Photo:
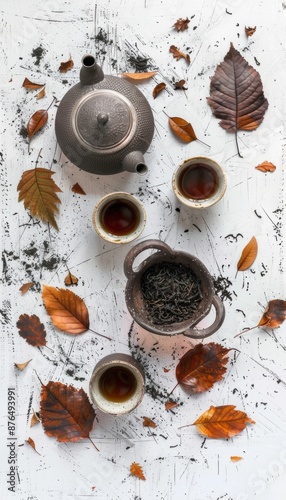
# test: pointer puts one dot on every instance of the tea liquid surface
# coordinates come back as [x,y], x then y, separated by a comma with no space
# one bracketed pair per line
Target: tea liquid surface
[117,384]
[120,217]
[198,181]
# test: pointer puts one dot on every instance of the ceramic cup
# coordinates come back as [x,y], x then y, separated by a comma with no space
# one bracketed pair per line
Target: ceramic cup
[199,182]
[117,384]
[119,217]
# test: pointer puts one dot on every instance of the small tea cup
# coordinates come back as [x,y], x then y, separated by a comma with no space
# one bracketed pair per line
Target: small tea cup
[119,217]
[199,182]
[117,384]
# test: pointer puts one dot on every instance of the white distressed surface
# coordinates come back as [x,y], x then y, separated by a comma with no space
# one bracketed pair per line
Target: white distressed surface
[178,463]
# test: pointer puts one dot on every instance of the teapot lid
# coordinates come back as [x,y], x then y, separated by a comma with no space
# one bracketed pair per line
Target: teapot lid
[104,121]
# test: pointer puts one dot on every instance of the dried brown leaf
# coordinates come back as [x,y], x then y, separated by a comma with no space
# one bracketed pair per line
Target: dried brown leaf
[32,330]
[66,412]
[67,310]
[66,66]
[159,87]
[25,287]
[136,470]
[169,405]
[180,85]
[274,314]
[147,422]
[222,422]
[37,121]
[235,458]
[181,24]
[202,366]
[31,442]
[248,255]
[77,189]
[42,93]
[266,166]
[27,84]
[177,54]
[35,419]
[182,129]
[38,190]
[70,280]
[236,94]
[249,31]
[22,366]
[139,76]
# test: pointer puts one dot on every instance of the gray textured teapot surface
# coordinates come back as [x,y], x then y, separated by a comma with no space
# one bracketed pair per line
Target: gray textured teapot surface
[104,124]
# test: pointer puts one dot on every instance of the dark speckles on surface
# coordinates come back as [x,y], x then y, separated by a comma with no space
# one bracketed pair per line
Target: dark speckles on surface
[38,54]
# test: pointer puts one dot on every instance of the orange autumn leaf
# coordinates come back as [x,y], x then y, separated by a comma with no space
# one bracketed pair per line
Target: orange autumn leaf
[159,87]
[76,188]
[222,422]
[22,366]
[31,442]
[248,255]
[147,422]
[139,76]
[136,470]
[32,330]
[181,24]
[235,458]
[38,191]
[41,94]
[249,31]
[169,405]
[274,314]
[66,412]
[67,310]
[27,84]
[66,66]
[266,166]
[25,287]
[202,366]
[177,54]
[182,129]
[37,121]
[70,279]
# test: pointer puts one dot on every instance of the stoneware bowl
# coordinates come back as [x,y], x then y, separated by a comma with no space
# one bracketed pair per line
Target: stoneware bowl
[135,301]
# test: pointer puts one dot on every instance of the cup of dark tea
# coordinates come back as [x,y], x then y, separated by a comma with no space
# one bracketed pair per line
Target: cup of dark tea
[117,384]
[119,217]
[199,182]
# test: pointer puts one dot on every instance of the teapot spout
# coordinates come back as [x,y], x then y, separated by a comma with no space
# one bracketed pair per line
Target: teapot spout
[90,72]
[134,162]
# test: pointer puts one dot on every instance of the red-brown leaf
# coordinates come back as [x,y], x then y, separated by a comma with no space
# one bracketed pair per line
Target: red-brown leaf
[31,442]
[181,24]
[180,85]
[182,129]
[70,280]
[177,54]
[66,309]
[25,287]
[274,314]
[27,84]
[266,166]
[222,422]
[147,422]
[249,31]
[202,366]
[248,255]
[32,330]
[136,470]
[236,94]
[37,121]
[66,66]
[169,405]
[159,87]
[66,412]
[76,188]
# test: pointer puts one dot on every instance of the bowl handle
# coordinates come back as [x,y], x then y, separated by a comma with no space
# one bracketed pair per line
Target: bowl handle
[140,247]
[195,333]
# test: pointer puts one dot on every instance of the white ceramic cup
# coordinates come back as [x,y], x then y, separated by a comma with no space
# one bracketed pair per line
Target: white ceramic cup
[133,384]
[119,217]
[199,182]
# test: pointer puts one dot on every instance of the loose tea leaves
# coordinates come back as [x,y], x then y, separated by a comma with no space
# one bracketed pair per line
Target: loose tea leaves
[171,293]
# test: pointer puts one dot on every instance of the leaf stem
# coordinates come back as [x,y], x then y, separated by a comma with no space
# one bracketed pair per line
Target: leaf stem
[202,142]
[100,334]
[173,390]
[237,147]
[92,443]
[247,330]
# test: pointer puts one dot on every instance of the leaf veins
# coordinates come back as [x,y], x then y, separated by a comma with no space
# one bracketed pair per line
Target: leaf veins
[248,255]
[32,330]
[222,422]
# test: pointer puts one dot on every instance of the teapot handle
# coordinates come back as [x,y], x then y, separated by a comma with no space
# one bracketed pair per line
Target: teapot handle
[196,333]
[140,247]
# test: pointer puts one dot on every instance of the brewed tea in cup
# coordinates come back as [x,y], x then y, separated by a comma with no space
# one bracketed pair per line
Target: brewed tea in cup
[117,384]
[199,182]
[119,217]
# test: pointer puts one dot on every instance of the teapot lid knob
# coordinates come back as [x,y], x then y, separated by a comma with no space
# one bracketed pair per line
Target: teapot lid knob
[102,118]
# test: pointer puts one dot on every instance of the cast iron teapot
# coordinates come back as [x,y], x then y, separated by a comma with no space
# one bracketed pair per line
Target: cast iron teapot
[104,124]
